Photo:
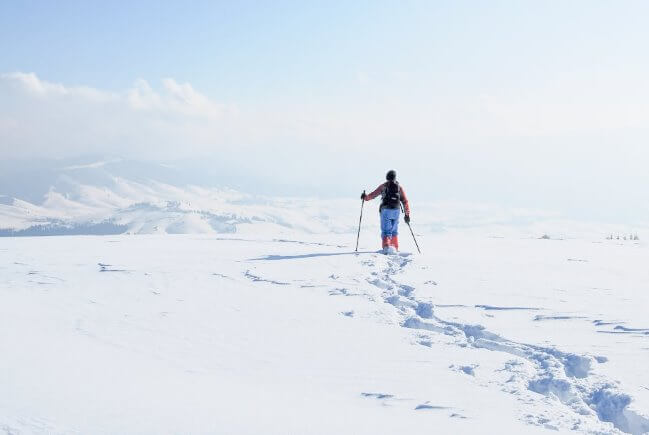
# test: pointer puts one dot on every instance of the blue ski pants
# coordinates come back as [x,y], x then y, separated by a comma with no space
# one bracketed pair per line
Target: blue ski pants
[390,222]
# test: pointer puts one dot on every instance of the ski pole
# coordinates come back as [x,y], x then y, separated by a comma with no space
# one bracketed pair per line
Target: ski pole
[413,234]
[413,237]
[359,221]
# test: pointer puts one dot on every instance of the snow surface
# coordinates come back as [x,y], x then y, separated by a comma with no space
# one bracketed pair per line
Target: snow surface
[253,333]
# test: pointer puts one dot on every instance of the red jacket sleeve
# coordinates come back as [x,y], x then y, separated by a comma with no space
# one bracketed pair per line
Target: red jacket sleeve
[404,200]
[377,192]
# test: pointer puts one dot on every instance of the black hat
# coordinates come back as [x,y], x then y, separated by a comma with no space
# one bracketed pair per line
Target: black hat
[391,175]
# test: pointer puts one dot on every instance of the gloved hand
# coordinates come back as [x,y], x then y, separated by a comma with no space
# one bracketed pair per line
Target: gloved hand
[407,218]
[363,195]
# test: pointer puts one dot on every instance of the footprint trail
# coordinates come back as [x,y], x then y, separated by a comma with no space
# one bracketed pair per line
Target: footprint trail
[550,373]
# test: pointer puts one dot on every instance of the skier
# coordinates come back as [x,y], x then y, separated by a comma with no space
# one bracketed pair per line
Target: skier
[392,194]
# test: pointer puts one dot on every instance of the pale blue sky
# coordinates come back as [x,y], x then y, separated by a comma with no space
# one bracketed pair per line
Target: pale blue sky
[539,103]
[251,50]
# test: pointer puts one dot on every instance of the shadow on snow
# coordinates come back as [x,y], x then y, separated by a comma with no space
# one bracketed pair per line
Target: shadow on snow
[319,254]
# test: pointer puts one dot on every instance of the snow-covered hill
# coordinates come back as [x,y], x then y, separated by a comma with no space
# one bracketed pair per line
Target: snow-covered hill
[261,334]
[91,199]
[108,197]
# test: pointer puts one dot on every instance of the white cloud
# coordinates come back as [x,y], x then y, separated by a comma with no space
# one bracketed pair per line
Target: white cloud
[511,133]
[40,118]
[33,84]
[30,83]
[178,114]
[180,98]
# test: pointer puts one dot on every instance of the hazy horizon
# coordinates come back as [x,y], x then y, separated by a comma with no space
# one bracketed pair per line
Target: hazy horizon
[514,103]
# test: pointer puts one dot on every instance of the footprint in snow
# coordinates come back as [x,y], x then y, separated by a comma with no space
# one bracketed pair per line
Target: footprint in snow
[426,342]
[378,395]
[467,370]
[496,308]
[428,406]
[256,278]
[220,275]
[109,268]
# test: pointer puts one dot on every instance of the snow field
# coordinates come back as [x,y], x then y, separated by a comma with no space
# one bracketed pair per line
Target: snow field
[204,334]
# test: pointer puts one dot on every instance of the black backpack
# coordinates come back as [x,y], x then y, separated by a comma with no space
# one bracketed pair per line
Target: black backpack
[391,195]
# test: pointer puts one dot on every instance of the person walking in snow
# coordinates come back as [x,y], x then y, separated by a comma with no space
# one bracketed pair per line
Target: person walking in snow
[392,195]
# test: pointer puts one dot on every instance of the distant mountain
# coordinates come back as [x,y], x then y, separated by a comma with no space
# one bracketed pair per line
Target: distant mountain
[108,195]
[112,196]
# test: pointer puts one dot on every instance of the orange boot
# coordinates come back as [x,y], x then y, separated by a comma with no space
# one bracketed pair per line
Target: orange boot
[395,242]
[386,242]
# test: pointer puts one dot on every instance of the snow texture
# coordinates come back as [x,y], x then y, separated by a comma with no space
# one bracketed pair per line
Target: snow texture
[212,311]
[260,334]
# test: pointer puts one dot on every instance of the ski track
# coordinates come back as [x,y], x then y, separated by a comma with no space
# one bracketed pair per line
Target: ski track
[537,372]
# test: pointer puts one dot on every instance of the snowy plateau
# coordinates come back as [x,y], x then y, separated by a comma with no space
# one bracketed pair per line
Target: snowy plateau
[160,309]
